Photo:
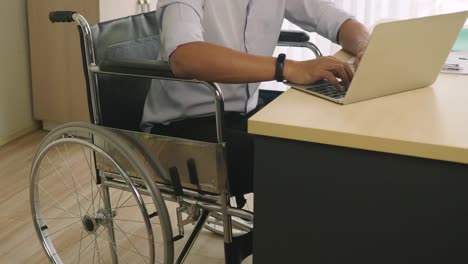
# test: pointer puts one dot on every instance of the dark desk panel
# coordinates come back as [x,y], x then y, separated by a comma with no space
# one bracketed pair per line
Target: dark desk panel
[317,203]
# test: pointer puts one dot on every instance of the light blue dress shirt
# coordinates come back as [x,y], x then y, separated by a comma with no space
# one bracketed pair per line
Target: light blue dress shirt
[251,26]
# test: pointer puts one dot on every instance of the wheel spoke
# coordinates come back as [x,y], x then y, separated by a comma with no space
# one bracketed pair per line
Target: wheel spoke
[74,181]
[120,229]
[94,249]
[120,246]
[59,179]
[81,252]
[126,200]
[93,180]
[56,218]
[113,245]
[55,200]
[79,240]
[79,249]
[97,249]
[126,220]
[92,204]
[56,231]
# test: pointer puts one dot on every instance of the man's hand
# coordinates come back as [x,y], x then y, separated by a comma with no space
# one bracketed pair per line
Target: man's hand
[354,37]
[328,68]
[359,57]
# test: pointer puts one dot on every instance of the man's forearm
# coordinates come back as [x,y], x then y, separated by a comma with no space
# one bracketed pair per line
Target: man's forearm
[209,62]
[353,36]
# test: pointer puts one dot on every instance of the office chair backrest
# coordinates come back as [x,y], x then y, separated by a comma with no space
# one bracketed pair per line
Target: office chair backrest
[122,98]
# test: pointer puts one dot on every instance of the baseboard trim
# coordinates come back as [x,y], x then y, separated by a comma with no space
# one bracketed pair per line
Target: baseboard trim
[19,133]
[50,125]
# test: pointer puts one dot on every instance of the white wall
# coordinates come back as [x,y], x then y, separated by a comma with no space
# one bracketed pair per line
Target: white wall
[15,83]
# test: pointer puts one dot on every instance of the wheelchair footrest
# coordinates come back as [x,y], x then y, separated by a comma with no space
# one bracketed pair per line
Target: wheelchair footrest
[153,214]
[176,184]
[178,237]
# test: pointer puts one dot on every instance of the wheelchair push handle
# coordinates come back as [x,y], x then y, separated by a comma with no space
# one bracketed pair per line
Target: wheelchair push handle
[61,16]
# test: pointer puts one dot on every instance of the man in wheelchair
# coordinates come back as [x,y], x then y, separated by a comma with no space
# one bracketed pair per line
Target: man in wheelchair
[117,183]
[232,42]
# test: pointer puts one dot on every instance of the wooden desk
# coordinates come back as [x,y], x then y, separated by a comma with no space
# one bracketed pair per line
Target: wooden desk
[380,181]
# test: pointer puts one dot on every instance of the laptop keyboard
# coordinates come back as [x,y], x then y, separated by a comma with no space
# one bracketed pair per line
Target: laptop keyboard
[327,89]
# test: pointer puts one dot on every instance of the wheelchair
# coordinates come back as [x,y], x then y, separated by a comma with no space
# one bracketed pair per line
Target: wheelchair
[98,191]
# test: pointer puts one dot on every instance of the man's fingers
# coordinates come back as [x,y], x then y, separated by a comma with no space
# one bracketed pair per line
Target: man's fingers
[356,63]
[358,59]
[331,69]
[349,71]
[327,75]
[343,74]
[341,71]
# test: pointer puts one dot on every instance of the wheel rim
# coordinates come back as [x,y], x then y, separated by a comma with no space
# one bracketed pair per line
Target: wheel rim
[75,225]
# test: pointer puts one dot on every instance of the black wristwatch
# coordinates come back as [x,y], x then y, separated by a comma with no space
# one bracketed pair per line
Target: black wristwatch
[280,67]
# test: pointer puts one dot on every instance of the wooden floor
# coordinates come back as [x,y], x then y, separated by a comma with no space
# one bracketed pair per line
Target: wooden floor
[18,240]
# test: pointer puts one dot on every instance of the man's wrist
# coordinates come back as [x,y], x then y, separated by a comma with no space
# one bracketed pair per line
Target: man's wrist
[288,65]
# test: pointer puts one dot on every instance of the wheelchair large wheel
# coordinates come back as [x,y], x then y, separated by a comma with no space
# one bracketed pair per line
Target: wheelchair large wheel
[94,200]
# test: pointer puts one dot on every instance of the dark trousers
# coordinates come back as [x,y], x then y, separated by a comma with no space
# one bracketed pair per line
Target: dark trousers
[239,144]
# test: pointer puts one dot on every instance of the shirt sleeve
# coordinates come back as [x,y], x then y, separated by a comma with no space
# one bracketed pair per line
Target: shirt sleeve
[180,22]
[321,16]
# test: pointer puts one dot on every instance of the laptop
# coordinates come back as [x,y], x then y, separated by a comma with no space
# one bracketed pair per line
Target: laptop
[401,56]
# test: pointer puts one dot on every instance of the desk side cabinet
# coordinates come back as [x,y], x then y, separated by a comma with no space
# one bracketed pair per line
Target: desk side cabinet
[58,83]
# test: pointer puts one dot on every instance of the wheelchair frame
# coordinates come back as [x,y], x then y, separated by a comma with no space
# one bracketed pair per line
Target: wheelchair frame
[197,204]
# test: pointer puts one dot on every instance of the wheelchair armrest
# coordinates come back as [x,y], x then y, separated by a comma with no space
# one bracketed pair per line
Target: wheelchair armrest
[155,69]
[137,67]
[293,36]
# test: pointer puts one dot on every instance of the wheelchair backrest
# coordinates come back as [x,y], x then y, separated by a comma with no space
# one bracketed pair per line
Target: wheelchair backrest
[122,98]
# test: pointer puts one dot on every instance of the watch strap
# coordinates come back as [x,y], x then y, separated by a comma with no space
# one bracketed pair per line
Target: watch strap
[280,67]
